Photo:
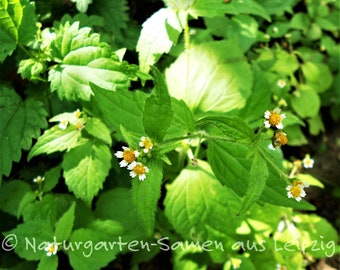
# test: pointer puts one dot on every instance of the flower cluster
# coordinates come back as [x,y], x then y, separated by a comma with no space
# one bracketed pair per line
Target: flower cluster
[296,190]
[273,119]
[71,118]
[51,249]
[129,158]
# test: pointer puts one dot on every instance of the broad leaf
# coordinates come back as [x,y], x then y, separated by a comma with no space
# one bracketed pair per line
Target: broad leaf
[318,76]
[86,258]
[84,60]
[197,204]
[157,113]
[306,102]
[85,169]
[17,25]
[56,139]
[212,76]
[226,128]
[50,263]
[20,123]
[156,39]
[120,108]
[212,8]
[275,6]
[96,128]
[64,225]
[31,238]
[145,194]
[230,166]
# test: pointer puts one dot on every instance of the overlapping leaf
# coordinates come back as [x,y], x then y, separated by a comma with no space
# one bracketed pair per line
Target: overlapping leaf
[84,60]
[20,123]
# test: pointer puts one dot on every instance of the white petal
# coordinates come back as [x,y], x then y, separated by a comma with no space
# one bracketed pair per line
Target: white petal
[298,199]
[142,177]
[119,154]
[126,148]
[141,144]
[267,114]
[123,163]
[289,187]
[132,165]
[267,124]
[277,110]
[283,116]
[145,150]
[279,126]
[133,174]
[136,153]
[146,169]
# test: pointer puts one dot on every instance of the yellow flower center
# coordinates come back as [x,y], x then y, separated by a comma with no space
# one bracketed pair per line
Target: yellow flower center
[77,114]
[274,119]
[129,156]
[51,249]
[79,126]
[139,169]
[295,191]
[147,143]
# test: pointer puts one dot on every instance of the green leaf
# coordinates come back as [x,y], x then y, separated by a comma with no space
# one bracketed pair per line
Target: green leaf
[230,166]
[157,113]
[182,121]
[212,8]
[197,204]
[275,6]
[20,123]
[31,238]
[50,263]
[51,178]
[31,69]
[96,128]
[64,225]
[145,194]
[228,128]
[120,108]
[85,169]
[306,102]
[115,14]
[154,39]
[11,194]
[44,209]
[122,210]
[207,78]
[82,5]
[87,256]
[84,60]
[258,176]
[318,76]
[56,139]
[300,21]
[17,25]
[296,136]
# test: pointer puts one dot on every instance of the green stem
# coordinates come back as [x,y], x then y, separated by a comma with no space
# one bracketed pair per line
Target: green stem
[186,35]
[27,52]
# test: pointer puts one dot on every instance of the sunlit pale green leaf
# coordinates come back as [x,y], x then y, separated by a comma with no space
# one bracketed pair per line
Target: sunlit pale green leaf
[20,123]
[85,169]
[306,102]
[318,76]
[155,39]
[84,60]
[96,128]
[197,204]
[82,5]
[212,76]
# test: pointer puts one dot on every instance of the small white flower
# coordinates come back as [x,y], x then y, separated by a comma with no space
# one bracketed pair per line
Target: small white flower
[39,179]
[146,143]
[51,249]
[280,267]
[128,155]
[138,169]
[296,192]
[281,83]
[308,162]
[80,126]
[77,113]
[274,118]
[63,124]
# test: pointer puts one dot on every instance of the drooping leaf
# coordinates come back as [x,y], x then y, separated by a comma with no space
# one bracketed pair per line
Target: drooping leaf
[197,204]
[120,108]
[157,113]
[64,225]
[212,76]
[17,25]
[258,176]
[85,169]
[155,39]
[20,123]
[145,194]
[84,60]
